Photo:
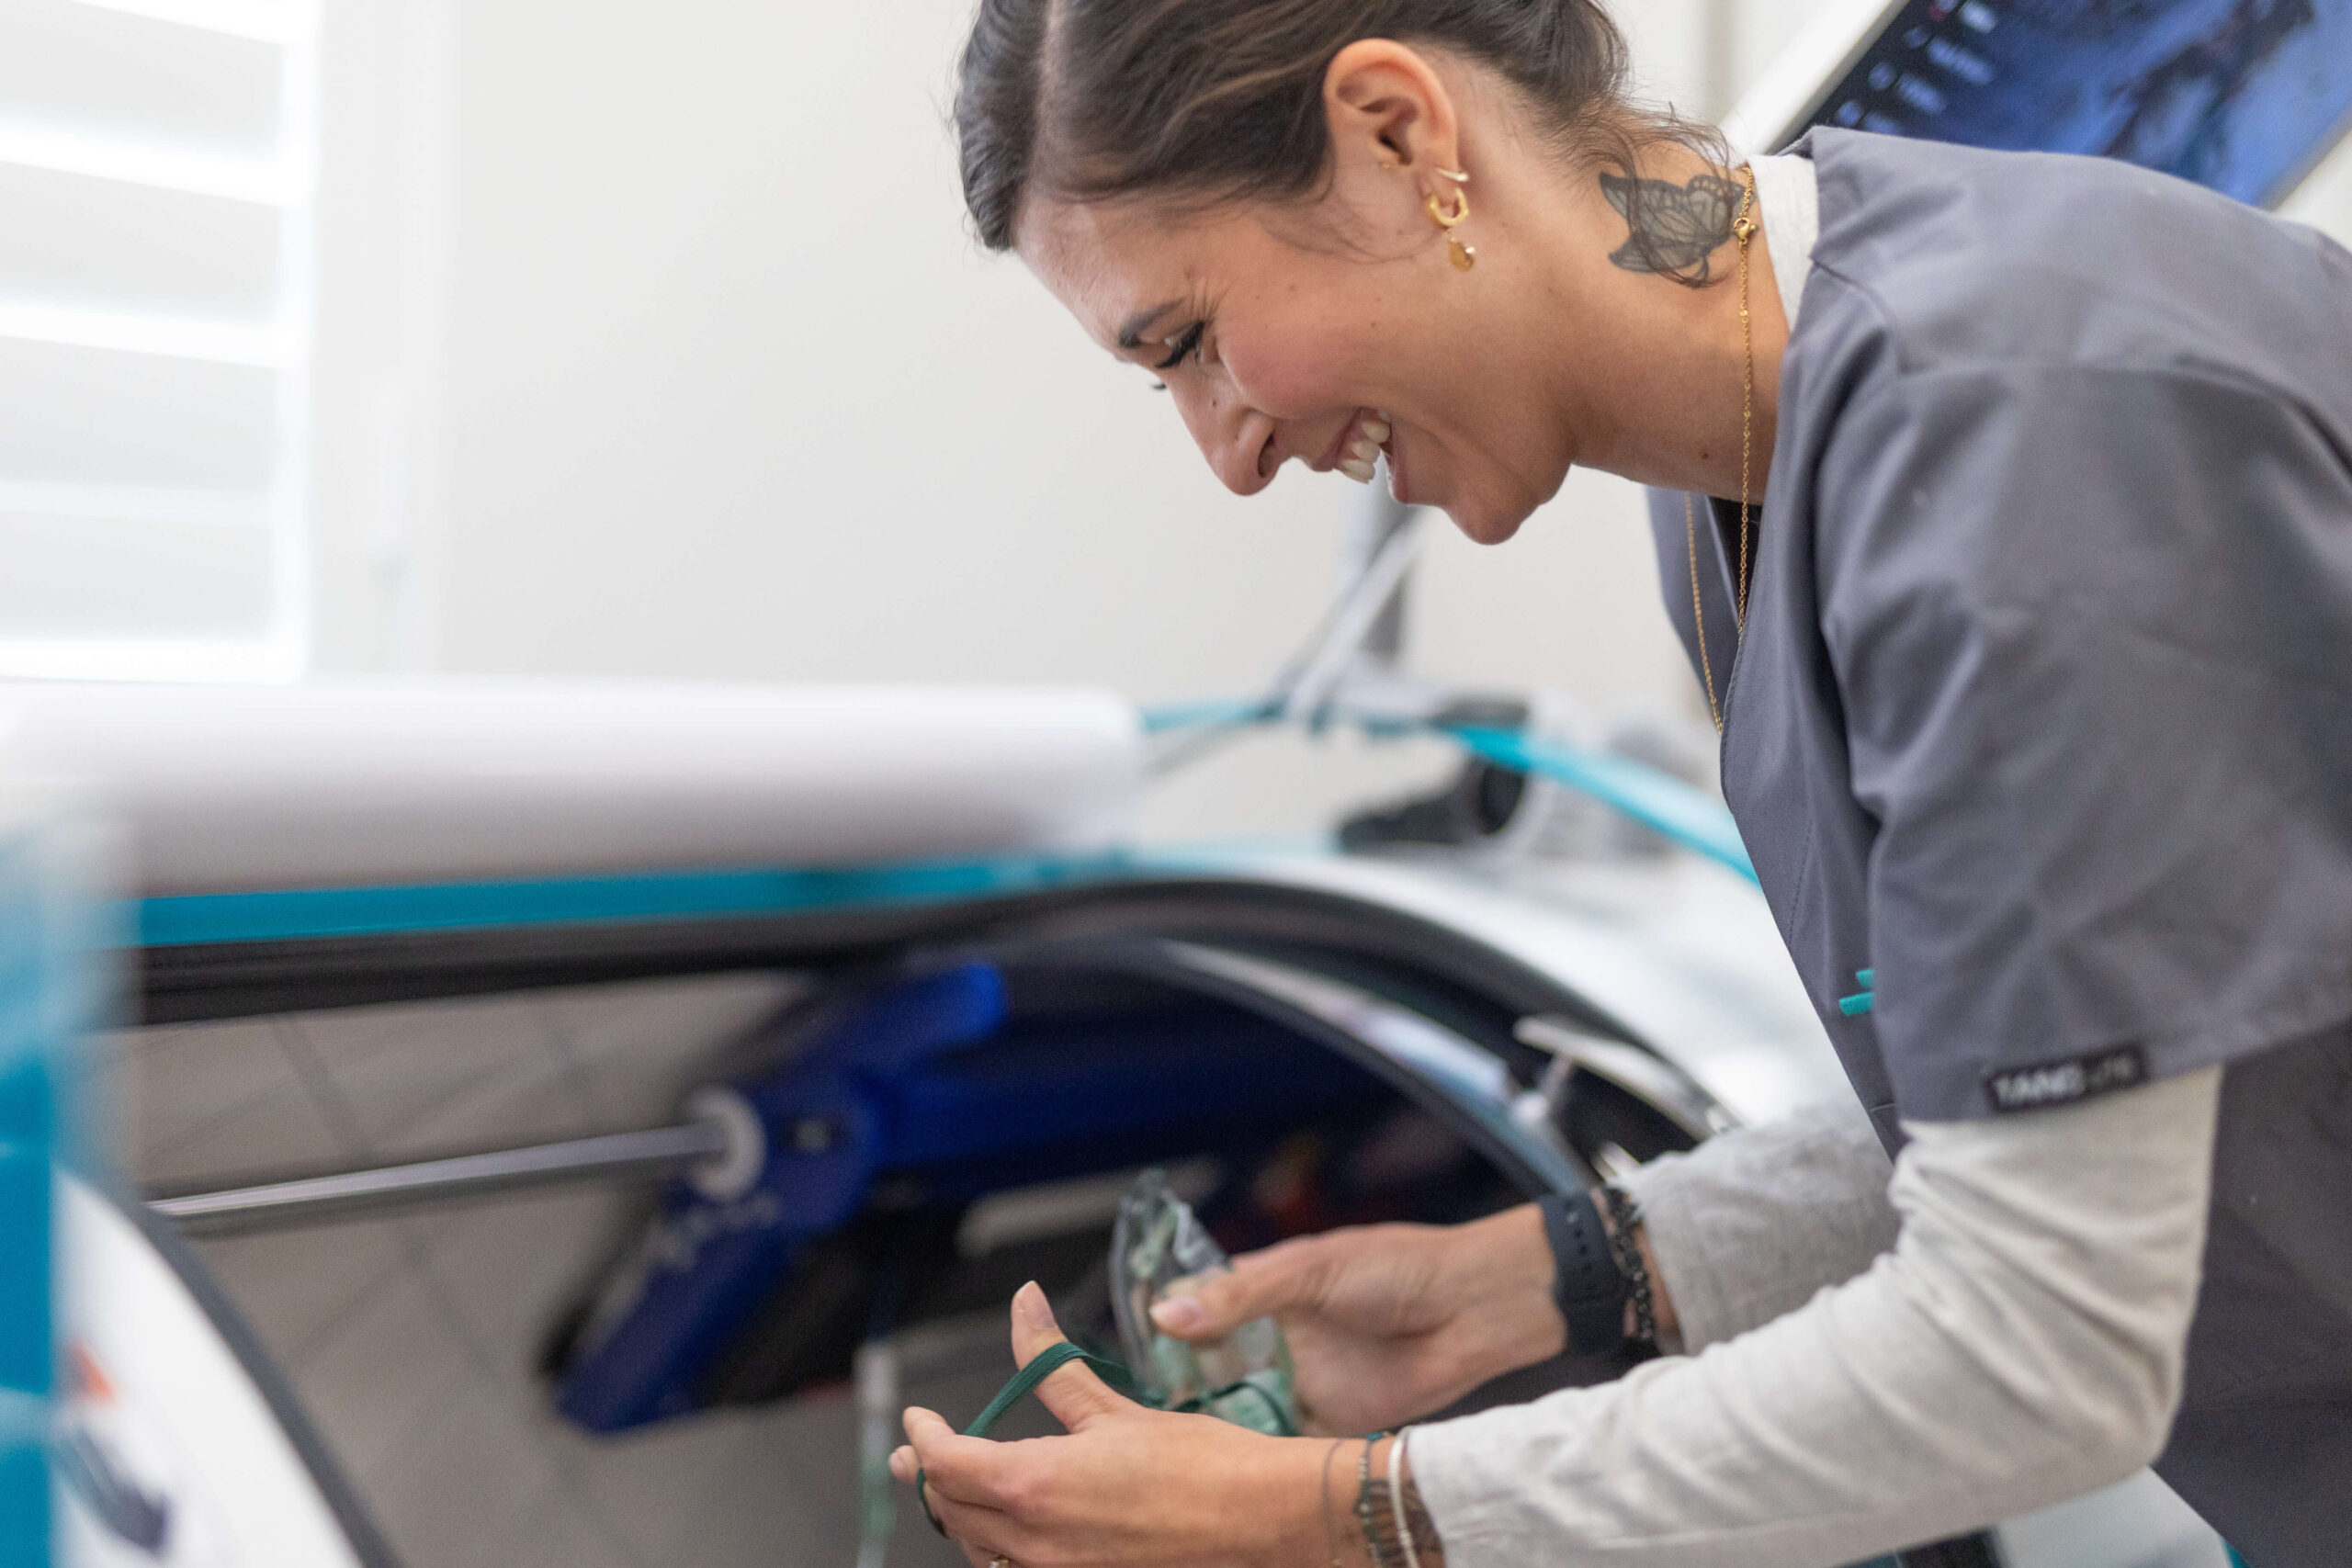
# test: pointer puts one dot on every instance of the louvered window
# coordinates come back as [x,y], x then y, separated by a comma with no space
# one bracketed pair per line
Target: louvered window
[156,163]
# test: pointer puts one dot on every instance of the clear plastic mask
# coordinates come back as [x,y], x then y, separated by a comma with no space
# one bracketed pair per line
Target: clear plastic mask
[1157,1247]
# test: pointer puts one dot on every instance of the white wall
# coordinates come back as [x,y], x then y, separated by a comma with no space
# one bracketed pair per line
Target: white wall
[725,389]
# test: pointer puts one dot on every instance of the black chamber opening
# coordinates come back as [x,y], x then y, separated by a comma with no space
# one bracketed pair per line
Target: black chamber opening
[1279,1135]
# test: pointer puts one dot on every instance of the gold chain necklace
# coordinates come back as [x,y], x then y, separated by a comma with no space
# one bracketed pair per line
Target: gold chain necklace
[1743,230]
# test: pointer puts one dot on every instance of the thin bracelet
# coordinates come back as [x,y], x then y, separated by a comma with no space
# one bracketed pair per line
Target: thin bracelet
[1396,1499]
[1363,1503]
[1323,1501]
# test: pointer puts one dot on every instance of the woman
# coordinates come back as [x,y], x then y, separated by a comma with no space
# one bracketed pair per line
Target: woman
[2006,507]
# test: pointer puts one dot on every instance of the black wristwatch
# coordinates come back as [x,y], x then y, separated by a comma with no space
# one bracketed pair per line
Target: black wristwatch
[1586,1282]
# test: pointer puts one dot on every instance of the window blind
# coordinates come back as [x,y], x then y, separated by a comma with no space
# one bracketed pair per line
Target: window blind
[157,160]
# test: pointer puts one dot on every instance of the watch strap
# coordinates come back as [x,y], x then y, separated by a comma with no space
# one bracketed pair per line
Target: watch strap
[1588,1287]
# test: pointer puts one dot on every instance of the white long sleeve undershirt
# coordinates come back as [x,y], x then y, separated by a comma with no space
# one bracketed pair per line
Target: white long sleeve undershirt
[2020,1344]
[1747,1227]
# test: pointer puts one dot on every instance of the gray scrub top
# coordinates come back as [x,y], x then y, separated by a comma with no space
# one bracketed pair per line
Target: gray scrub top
[2040,730]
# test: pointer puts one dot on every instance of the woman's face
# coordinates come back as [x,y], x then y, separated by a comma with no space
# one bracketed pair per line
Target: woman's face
[1286,333]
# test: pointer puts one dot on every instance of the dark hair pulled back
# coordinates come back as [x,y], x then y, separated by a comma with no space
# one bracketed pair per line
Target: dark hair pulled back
[1223,99]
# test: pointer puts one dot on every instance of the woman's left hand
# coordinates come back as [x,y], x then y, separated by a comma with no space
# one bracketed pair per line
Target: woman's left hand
[1129,1485]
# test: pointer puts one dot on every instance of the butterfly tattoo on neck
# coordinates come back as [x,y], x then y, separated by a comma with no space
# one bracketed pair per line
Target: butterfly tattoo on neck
[1672,228]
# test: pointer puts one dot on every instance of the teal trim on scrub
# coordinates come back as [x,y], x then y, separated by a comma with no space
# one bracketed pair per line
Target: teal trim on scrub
[1864,999]
[302,913]
[2235,1560]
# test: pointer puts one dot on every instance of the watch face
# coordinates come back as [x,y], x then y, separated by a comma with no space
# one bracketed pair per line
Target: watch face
[2244,96]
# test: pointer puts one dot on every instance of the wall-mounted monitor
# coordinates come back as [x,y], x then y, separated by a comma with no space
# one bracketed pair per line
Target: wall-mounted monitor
[2242,95]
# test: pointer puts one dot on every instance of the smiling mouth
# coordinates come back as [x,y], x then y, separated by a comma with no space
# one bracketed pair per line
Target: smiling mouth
[1359,445]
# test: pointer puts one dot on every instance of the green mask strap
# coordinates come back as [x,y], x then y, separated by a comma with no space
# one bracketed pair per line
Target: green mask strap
[1043,1365]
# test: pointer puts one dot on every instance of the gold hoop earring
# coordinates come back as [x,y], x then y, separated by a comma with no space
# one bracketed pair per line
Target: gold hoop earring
[1463,257]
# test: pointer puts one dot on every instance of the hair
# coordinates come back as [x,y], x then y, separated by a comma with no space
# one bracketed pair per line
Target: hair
[1212,100]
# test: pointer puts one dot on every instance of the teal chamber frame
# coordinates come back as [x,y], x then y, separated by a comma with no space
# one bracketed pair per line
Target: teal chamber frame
[299,914]
[27,1124]
[52,982]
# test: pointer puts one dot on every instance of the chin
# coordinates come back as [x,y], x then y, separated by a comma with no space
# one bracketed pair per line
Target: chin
[1485,520]
[1488,502]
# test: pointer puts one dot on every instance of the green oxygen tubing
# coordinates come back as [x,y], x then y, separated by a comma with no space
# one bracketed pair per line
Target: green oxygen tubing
[1051,1359]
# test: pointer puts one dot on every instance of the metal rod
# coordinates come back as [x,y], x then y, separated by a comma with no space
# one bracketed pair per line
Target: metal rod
[1353,619]
[1652,1080]
[1373,513]
[316,1196]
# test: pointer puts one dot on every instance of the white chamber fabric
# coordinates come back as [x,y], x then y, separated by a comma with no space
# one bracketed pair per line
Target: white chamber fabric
[233,788]
[2022,1343]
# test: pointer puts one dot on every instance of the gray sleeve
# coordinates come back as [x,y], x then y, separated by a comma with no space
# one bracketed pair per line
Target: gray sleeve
[2089,627]
[1749,1224]
[2023,1343]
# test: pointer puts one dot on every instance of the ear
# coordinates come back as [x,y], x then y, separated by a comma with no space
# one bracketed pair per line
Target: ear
[1388,110]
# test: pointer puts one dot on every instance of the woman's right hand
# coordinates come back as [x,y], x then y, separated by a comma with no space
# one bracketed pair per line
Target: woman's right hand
[1388,1322]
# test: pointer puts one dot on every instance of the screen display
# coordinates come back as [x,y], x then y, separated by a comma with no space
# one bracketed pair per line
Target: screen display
[2242,95]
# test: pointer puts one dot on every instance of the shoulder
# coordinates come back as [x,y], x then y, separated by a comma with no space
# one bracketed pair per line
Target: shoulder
[1937,258]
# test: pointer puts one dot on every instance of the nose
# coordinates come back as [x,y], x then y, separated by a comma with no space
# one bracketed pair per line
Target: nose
[1231,434]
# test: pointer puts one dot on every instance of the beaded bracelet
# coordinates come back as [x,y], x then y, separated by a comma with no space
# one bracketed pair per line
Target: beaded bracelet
[1624,1218]
[1363,1503]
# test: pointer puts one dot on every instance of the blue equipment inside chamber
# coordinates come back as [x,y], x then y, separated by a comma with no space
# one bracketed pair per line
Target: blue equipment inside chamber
[896,1108]
[2242,95]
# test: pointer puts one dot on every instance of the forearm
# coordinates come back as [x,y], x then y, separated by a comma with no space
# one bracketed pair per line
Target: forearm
[2022,1343]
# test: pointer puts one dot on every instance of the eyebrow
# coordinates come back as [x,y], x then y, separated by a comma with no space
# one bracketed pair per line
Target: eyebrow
[1131,335]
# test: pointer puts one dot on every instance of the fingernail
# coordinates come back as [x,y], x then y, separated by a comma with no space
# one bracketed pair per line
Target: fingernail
[1035,1309]
[1177,1312]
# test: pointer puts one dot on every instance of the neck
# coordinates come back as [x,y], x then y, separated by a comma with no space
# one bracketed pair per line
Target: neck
[1654,372]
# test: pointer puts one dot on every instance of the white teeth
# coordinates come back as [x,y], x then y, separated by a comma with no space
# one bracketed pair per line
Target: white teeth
[1362,451]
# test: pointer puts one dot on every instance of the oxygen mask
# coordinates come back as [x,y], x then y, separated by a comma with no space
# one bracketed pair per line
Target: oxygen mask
[1159,1247]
